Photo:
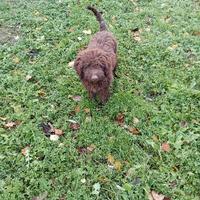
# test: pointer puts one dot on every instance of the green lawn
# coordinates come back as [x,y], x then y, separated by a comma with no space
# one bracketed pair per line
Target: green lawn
[157,91]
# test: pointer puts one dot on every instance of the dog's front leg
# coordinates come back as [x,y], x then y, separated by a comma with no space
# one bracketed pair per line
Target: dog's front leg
[92,95]
[104,95]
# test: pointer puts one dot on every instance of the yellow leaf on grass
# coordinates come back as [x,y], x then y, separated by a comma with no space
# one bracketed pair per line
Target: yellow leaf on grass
[117,165]
[16,60]
[111,159]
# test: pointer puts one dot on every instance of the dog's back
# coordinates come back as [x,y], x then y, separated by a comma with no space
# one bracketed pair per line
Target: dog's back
[102,39]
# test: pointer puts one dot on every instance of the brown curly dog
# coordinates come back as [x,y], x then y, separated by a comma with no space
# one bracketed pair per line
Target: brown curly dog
[97,63]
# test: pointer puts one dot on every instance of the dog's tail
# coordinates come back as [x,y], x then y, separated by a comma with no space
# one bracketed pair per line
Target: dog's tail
[99,18]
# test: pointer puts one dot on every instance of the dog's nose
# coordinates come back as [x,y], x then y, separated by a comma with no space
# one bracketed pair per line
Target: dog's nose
[94,78]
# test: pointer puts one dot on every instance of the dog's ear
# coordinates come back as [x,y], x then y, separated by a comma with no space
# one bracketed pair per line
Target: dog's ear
[78,65]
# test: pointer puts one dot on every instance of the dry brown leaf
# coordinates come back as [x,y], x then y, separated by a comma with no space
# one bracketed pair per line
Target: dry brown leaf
[77,109]
[120,118]
[165,147]
[84,150]
[11,124]
[155,196]
[74,126]
[58,131]
[25,150]
[76,98]
[133,130]
[41,93]
[196,33]
[91,148]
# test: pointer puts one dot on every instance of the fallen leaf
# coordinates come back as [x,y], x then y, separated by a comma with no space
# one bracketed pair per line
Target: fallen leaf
[42,196]
[84,150]
[165,147]
[3,118]
[74,126]
[136,120]
[16,60]
[25,150]
[77,109]
[134,131]
[87,110]
[87,32]
[183,124]
[91,148]
[71,64]
[28,77]
[136,34]
[58,131]
[54,137]
[117,165]
[110,159]
[196,33]
[155,196]
[47,128]
[120,118]
[11,124]
[76,98]
[41,93]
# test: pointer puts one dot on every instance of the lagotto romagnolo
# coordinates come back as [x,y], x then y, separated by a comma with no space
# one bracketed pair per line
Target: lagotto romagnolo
[97,63]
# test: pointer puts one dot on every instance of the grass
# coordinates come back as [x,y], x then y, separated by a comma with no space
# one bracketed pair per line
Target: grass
[159,83]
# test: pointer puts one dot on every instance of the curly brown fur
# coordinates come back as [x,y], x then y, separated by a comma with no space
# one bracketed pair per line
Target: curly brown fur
[96,64]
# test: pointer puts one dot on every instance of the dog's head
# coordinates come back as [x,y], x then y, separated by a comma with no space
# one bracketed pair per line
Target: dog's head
[92,67]
[94,73]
